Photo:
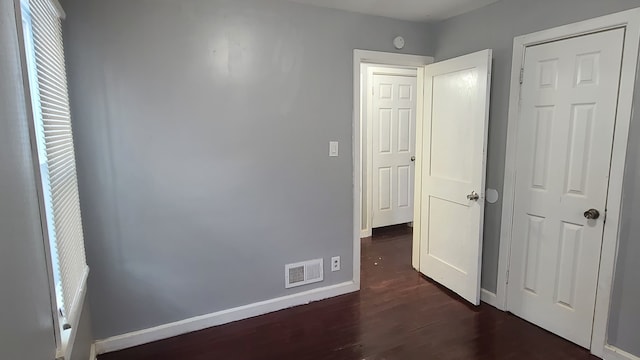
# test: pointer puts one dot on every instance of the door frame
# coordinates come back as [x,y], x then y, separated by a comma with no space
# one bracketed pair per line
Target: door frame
[361,57]
[630,21]
[370,70]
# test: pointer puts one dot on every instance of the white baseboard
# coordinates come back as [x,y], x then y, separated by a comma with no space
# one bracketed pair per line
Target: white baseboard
[489,298]
[365,233]
[613,353]
[221,317]
[92,352]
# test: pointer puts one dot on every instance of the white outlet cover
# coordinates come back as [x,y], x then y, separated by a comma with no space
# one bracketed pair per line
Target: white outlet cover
[335,263]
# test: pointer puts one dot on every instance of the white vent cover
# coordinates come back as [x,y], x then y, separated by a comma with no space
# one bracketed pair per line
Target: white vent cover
[303,273]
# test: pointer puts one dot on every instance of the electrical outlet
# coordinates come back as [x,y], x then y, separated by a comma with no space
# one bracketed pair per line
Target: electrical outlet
[335,263]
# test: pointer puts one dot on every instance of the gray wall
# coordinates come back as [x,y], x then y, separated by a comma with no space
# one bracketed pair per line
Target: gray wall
[494,27]
[624,319]
[202,129]
[26,329]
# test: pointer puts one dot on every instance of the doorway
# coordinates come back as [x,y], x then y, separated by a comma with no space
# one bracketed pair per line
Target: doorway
[450,162]
[361,60]
[389,122]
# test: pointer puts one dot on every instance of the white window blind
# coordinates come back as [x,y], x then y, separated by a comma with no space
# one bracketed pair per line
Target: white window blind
[51,111]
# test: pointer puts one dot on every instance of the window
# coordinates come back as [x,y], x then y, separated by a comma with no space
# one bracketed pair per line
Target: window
[62,223]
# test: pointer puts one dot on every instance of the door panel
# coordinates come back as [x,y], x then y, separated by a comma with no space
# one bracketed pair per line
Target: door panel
[565,137]
[394,117]
[453,161]
[453,100]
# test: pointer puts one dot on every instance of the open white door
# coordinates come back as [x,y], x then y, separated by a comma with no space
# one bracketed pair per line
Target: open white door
[450,186]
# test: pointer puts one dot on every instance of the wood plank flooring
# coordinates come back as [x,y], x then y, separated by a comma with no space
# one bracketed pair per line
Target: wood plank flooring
[398,314]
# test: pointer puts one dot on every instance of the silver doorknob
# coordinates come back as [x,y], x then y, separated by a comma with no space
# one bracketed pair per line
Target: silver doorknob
[473,196]
[413,158]
[592,214]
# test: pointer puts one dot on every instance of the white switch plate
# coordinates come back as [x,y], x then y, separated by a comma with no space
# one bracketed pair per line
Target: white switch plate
[333,148]
[335,263]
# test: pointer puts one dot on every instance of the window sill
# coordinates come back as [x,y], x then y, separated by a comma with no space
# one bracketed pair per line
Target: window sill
[68,337]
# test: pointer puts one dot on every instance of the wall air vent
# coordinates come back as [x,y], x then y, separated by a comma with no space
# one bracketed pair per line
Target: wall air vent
[303,273]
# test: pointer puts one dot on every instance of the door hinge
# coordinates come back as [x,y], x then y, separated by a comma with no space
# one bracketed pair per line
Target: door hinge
[521,75]
[507,277]
[604,218]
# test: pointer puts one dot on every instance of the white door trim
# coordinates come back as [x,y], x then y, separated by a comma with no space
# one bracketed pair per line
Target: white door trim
[630,20]
[381,58]
[367,110]
[613,353]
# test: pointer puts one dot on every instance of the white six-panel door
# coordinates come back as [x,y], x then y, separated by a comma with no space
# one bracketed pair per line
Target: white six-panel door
[393,140]
[453,163]
[565,133]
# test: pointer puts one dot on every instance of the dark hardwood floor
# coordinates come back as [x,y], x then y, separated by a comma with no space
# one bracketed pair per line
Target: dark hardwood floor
[398,314]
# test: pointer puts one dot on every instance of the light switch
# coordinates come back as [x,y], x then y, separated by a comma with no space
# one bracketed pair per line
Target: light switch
[333,148]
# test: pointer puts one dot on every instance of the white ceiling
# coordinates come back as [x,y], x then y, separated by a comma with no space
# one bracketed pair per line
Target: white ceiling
[412,10]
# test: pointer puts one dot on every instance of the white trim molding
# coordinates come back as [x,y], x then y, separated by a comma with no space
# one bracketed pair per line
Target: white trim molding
[379,58]
[68,337]
[92,352]
[220,317]
[490,298]
[630,21]
[613,353]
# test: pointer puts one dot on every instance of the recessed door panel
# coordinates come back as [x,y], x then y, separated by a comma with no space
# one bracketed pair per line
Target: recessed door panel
[535,234]
[580,135]
[405,131]
[542,137]
[453,100]
[448,243]
[405,181]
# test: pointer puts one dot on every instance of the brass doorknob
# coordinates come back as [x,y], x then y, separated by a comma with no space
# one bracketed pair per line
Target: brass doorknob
[592,214]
